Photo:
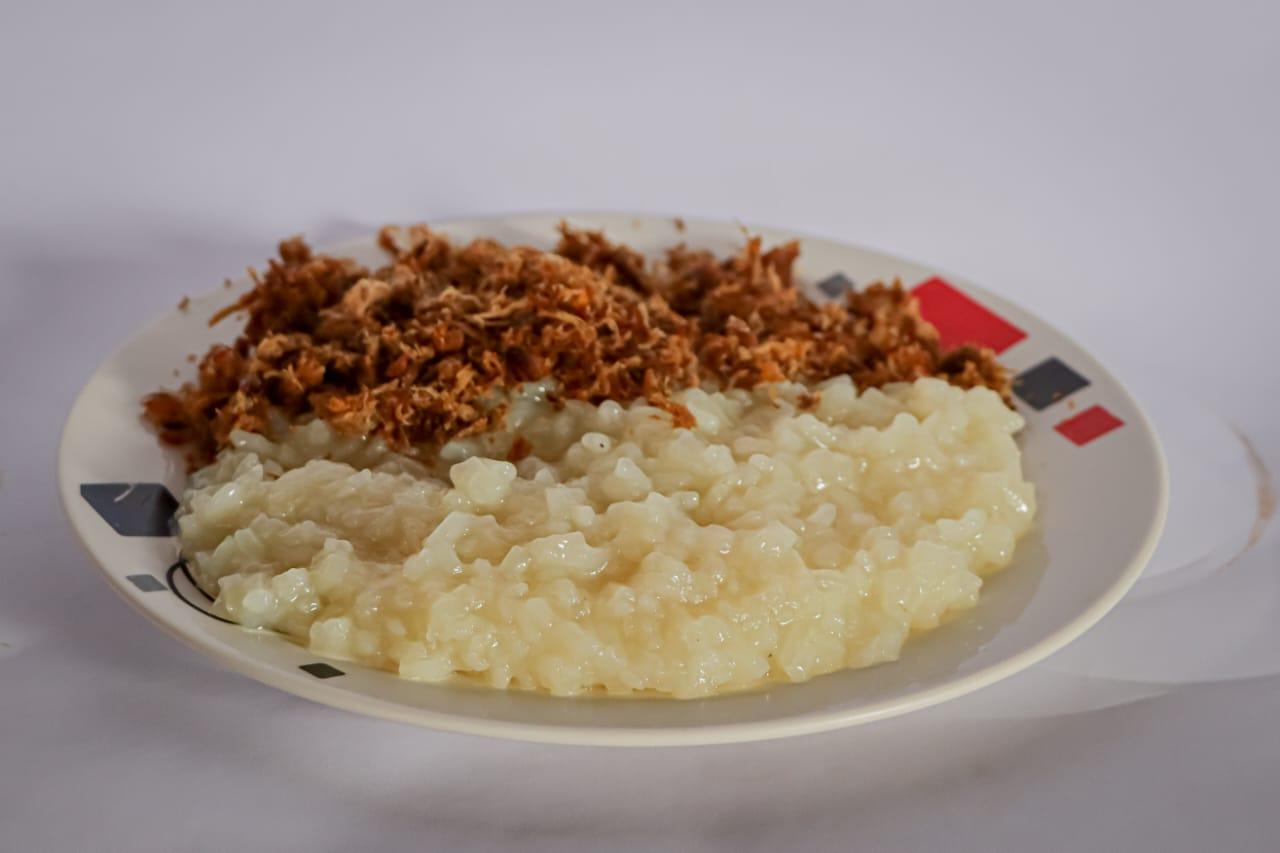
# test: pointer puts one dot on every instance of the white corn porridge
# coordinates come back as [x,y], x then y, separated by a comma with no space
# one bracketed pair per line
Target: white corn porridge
[623,555]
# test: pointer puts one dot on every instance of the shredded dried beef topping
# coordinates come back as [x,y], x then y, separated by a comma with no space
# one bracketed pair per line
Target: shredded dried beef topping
[422,350]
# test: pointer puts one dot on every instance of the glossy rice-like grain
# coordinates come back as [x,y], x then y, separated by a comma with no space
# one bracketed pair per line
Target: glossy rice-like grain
[766,543]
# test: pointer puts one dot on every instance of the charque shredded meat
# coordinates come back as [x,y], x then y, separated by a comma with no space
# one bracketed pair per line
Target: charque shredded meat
[421,351]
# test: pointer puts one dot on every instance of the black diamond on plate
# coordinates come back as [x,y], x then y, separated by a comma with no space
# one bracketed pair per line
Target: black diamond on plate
[132,509]
[835,286]
[321,670]
[146,583]
[1048,382]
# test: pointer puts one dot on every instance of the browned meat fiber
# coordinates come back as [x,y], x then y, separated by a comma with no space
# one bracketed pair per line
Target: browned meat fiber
[420,351]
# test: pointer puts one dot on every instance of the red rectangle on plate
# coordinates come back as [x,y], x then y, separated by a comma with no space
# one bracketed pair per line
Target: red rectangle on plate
[1093,422]
[959,320]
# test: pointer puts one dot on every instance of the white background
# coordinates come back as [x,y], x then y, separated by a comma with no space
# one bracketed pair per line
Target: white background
[1110,166]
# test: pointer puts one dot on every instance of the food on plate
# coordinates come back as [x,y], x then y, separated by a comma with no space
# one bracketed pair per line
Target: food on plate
[587,471]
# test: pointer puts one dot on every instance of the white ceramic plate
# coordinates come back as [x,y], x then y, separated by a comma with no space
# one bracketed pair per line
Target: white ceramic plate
[1088,448]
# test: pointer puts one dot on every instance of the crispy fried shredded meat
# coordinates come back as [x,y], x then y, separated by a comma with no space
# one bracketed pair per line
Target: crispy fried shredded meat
[424,349]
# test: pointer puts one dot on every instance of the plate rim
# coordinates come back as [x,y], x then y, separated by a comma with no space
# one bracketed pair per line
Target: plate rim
[808,723]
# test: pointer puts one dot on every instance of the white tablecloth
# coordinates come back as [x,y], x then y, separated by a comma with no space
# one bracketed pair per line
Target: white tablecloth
[1110,166]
